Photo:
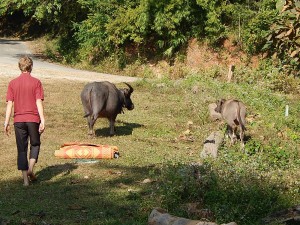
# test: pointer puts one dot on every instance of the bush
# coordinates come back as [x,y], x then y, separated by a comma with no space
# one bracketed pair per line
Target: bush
[283,39]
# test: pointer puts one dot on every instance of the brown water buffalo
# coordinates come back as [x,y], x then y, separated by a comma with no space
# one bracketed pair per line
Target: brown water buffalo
[103,99]
[234,114]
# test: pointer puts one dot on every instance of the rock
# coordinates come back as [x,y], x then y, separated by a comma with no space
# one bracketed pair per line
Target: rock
[161,217]
[212,144]
[212,112]
[147,181]
[4,222]
[195,89]
[287,216]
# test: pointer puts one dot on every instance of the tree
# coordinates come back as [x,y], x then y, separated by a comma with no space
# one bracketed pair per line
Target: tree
[283,41]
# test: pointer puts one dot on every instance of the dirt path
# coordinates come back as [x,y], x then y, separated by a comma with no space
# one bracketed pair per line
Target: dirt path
[12,50]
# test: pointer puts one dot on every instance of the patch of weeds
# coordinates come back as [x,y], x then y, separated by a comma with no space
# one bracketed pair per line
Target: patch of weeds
[215,72]
[138,69]
[51,54]
[243,75]
[283,83]
[253,147]
[233,194]
[293,135]
[293,123]
[133,195]
[178,185]
[177,71]
[109,65]
[277,156]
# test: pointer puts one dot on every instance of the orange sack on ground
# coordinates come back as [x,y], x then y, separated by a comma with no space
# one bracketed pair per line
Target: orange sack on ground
[86,151]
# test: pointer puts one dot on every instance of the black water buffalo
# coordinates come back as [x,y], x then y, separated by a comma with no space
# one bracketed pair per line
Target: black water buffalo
[103,99]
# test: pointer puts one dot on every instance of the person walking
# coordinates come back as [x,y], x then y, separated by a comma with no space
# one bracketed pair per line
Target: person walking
[25,96]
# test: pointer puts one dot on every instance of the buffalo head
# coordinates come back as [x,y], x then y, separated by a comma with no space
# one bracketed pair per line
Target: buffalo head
[220,103]
[127,100]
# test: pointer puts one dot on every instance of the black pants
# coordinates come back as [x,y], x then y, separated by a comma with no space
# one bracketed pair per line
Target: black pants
[26,131]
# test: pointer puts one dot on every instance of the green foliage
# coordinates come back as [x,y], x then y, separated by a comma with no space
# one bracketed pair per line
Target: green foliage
[284,83]
[129,24]
[136,28]
[4,6]
[174,23]
[91,34]
[55,16]
[268,76]
[123,32]
[214,26]
[284,38]
[257,29]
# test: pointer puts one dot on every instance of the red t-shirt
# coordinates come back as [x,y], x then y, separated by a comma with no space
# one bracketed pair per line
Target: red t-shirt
[24,91]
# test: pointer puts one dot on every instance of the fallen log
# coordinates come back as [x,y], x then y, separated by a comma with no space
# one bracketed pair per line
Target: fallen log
[161,217]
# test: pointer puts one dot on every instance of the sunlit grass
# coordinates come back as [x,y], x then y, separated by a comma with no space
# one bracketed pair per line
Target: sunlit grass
[152,141]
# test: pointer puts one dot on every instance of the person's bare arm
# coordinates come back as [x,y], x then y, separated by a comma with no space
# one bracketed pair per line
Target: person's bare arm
[40,107]
[9,107]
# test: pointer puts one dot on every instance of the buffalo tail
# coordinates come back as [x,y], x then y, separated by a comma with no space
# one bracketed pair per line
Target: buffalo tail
[239,118]
[89,104]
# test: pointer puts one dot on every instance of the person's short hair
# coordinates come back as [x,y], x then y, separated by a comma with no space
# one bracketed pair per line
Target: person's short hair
[25,64]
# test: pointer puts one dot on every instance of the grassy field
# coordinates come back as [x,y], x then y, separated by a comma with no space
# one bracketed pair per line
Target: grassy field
[159,166]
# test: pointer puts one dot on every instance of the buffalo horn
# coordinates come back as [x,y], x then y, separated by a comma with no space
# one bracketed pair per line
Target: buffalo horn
[130,88]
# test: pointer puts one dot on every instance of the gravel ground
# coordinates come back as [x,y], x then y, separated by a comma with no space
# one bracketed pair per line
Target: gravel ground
[11,50]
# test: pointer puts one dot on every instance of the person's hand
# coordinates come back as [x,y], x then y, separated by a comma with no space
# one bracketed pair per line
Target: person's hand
[7,129]
[41,127]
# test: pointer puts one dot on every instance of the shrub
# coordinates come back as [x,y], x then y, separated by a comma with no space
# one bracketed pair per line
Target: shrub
[283,40]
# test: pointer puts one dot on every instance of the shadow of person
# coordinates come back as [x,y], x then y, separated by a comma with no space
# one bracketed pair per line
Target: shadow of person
[51,171]
[123,130]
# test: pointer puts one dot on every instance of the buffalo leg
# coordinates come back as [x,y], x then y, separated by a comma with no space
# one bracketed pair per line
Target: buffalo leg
[230,133]
[234,137]
[112,126]
[96,108]
[91,122]
[242,139]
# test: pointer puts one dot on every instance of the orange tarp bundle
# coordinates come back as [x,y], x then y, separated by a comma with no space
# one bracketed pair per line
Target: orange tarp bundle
[86,151]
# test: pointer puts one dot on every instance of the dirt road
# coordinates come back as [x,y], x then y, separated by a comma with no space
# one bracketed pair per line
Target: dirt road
[12,50]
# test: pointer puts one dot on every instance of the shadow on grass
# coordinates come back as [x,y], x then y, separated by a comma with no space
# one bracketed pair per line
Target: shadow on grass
[117,195]
[52,171]
[114,196]
[245,198]
[124,130]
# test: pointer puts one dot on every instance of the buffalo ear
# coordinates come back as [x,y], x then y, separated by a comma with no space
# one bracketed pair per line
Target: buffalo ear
[219,105]
[126,92]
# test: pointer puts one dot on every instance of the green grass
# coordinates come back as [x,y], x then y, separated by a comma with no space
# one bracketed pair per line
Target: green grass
[241,187]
